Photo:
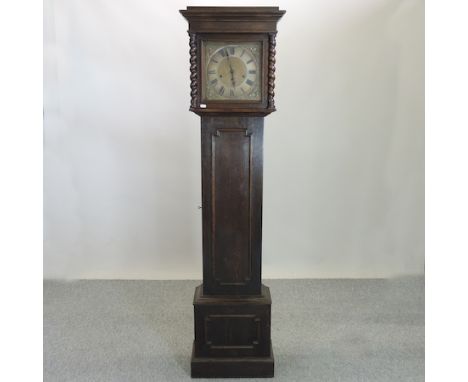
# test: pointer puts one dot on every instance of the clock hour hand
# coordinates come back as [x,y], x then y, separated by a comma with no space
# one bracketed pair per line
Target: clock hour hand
[231,70]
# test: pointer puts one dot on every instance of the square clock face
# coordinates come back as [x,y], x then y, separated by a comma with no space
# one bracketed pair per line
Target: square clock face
[232,71]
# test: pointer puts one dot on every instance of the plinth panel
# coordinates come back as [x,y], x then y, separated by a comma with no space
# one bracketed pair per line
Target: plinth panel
[232,332]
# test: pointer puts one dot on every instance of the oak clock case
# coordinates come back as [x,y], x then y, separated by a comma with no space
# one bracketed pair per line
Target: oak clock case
[232,73]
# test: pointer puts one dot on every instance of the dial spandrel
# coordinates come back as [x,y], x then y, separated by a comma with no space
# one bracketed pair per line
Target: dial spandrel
[232,71]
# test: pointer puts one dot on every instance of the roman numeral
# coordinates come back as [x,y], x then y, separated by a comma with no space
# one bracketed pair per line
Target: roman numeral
[214,60]
[221,90]
[251,60]
[232,50]
[231,93]
[251,71]
[249,82]
[213,72]
[243,51]
[213,82]
[222,52]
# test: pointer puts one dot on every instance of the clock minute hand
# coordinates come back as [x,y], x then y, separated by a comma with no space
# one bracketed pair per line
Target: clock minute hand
[231,70]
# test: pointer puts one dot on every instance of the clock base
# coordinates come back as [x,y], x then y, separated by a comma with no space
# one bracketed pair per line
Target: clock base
[232,335]
[233,367]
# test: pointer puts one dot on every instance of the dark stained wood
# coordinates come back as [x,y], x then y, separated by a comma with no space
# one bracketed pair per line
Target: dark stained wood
[232,19]
[271,70]
[232,178]
[233,367]
[194,98]
[232,326]
[207,299]
[232,308]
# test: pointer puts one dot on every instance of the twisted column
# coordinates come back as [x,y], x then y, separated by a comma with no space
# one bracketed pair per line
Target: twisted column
[271,70]
[193,71]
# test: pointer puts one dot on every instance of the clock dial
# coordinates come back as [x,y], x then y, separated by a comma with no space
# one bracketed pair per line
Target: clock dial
[232,71]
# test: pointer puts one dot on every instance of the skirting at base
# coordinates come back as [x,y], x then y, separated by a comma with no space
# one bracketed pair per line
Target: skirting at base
[238,367]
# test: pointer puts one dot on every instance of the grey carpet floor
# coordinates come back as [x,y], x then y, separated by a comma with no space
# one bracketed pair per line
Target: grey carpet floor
[322,330]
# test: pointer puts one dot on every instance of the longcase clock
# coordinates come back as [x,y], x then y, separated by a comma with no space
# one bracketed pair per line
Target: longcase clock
[232,74]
